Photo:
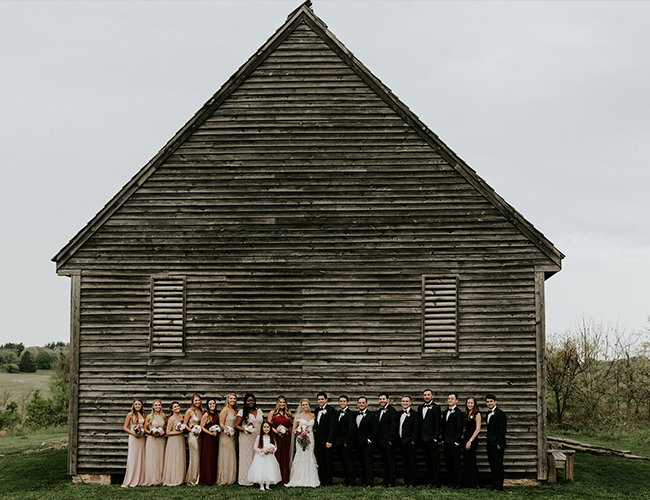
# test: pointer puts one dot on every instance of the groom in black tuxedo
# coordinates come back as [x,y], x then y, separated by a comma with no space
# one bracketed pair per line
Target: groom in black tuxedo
[367,425]
[324,434]
[453,421]
[430,423]
[497,423]
[344,439]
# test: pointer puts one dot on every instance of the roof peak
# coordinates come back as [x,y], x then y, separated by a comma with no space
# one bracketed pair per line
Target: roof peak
[302,6]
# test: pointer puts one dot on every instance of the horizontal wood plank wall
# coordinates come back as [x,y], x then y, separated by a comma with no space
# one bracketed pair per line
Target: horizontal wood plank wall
[303,215]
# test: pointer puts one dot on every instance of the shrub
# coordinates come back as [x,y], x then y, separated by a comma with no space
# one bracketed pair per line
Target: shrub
[50,412]
[11,368]
[9,417]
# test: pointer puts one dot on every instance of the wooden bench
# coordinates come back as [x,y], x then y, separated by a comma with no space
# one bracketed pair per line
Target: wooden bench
[560,460]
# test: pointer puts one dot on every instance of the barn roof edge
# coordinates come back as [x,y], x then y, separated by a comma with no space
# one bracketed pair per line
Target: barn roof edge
[300,14]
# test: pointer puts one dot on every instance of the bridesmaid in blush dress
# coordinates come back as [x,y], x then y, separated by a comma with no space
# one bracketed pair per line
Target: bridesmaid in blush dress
[248,423]
[281,417]
[174,470]
[227,460]
[209,444]
[155,448]
[192,421]
[134,427]
[471,476]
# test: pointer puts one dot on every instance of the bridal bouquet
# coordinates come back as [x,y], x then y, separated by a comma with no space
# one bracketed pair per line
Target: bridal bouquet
[249,428]
[302,436]
[215,428]
[180,426]
[196,430]
[229,430]
[138,430]
[282,430]
[157,431]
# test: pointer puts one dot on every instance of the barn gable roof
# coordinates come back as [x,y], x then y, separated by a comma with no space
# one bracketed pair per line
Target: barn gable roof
[304,14]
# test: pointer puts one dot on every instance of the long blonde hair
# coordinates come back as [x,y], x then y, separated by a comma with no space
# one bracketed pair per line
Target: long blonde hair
[225,404]
[153,412]
[287,411]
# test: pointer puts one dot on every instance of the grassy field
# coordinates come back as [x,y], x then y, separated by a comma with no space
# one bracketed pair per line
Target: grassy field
[18,387]
[43,476]
[24,440]
[638,441]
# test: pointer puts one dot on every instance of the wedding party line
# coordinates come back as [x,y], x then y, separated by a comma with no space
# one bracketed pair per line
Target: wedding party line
[237,445]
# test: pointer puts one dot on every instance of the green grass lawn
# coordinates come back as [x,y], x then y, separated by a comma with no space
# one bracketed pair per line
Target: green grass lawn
[18,386]
[43,476]
[637,441]
[30,440]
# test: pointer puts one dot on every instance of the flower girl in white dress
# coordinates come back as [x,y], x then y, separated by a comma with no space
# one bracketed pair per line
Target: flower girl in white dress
[265,469]
[304,471]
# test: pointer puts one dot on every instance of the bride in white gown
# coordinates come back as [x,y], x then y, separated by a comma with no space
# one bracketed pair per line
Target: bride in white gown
[304,471]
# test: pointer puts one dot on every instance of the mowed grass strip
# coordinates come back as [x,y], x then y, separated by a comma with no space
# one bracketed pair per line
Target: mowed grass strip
[43,476]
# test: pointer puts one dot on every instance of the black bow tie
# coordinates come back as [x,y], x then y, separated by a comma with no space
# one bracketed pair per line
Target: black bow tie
[405,411]
[427,405]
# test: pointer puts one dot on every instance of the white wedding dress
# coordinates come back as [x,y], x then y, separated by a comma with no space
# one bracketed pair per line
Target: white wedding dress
[304,471]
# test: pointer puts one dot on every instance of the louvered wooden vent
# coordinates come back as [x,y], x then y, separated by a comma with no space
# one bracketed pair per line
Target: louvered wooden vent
[440,315]
[167,316]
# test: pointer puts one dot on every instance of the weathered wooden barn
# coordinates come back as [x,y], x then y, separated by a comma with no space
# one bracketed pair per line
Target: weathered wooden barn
[305,231]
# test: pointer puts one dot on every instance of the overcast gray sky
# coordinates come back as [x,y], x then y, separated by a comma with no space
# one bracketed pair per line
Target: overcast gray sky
[548,101]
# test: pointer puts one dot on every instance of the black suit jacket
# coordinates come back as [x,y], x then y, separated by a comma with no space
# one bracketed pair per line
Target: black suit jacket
[325,430]
[431,424]
[345,427]
[387,426]
[496,428]
[410,427]
[452,426]
[367,430]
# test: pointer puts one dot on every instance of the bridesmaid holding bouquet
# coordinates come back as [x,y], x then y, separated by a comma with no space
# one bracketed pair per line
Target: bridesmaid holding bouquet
[210,430]
[134,427]
[281,420]
[248,423]
[192,420]
[227,460]
[174,470]
[154,455]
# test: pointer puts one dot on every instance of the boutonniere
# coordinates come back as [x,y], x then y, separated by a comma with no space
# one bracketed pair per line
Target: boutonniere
[323,411]
[408,414]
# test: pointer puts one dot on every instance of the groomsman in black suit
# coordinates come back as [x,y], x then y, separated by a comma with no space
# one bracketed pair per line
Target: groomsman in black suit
[430,425]
[387,438]
[408,432]
[324,433]
[497,423]
[344,439]
[367,425]
[453,421]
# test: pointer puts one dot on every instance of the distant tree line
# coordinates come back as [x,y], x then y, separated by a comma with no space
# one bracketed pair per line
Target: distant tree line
[14,358]
[38,411]
[598,376]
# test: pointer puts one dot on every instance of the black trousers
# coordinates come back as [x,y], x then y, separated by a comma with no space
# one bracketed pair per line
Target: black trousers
[325,461]
[410,463]
[365,457]
[345,455]
[452,459]
[432,461]
[387,454]
[495,459]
